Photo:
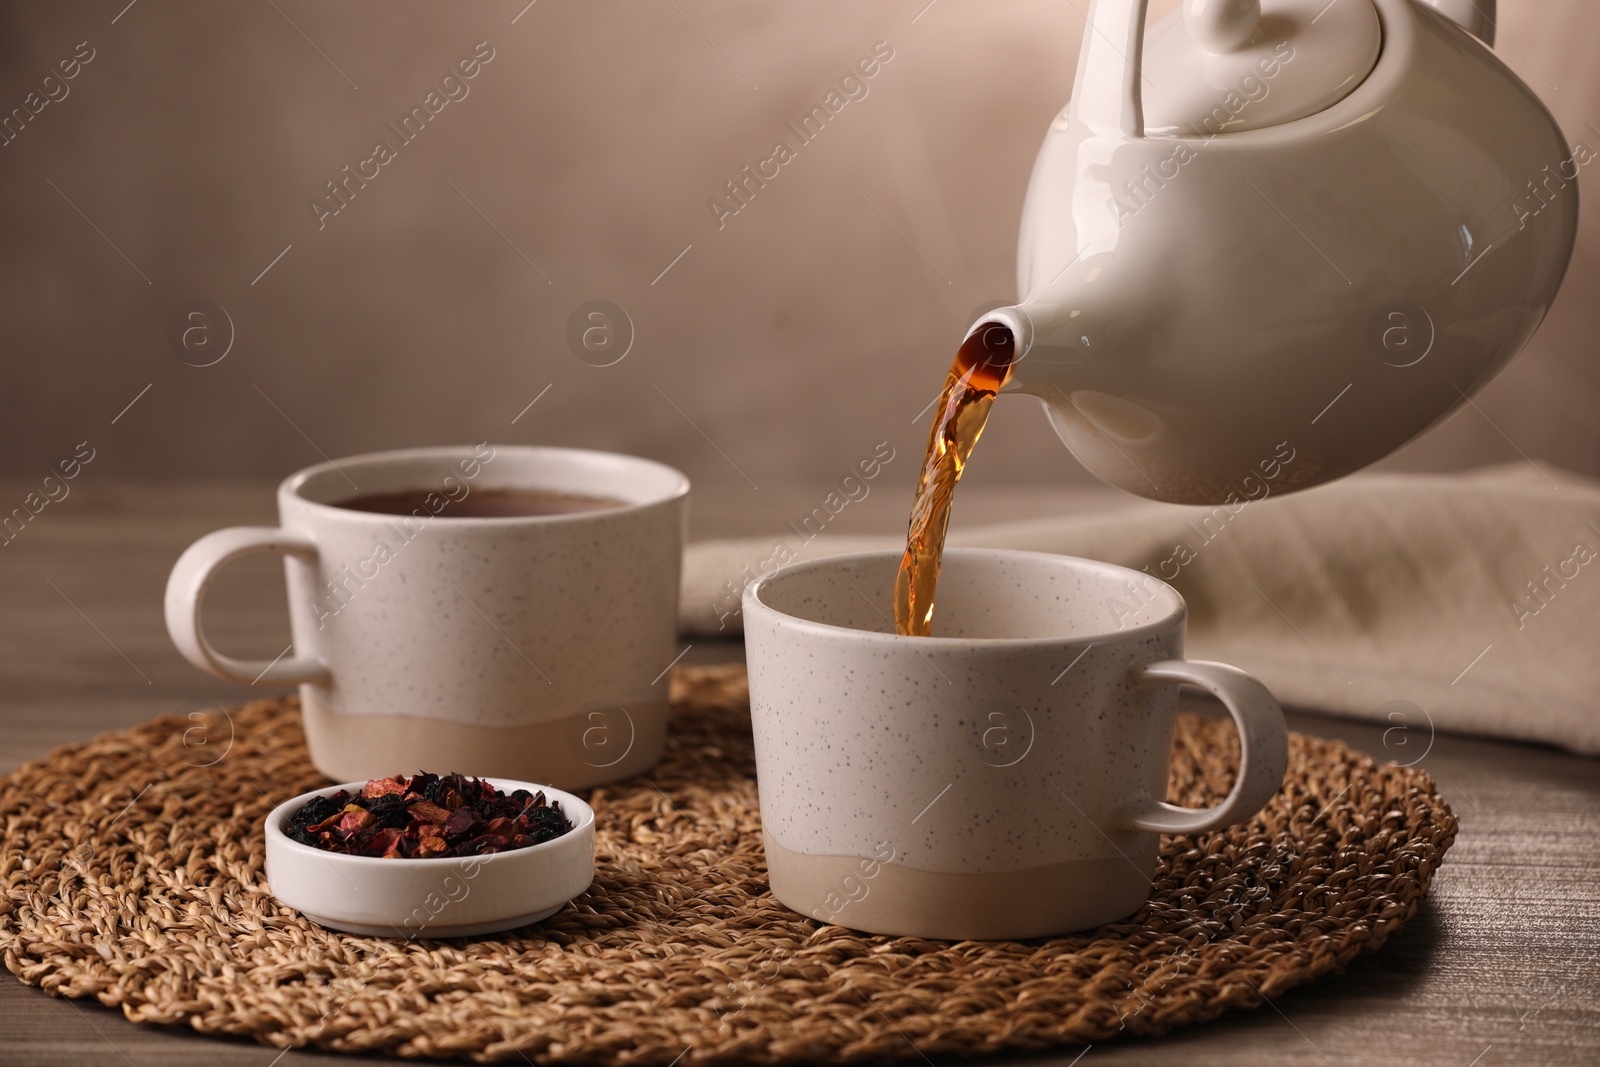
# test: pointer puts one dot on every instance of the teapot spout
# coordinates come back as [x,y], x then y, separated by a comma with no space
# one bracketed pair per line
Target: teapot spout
[1017,337]
[1122,417]
[1050,353]
[1046,353]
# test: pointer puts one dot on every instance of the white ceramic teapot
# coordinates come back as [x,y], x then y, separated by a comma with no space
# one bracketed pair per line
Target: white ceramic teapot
[1295,236]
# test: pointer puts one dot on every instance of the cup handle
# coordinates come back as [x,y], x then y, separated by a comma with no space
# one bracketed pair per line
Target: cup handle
[186,593]
[1264,750]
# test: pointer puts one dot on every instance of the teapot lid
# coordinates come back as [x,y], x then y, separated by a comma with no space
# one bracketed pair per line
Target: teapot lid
[1222,66]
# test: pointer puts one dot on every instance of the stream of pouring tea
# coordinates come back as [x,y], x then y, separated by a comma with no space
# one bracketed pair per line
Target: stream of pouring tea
[981,367]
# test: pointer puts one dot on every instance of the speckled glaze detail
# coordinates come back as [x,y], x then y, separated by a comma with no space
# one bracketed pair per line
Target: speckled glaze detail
[1031,733]
[498,624]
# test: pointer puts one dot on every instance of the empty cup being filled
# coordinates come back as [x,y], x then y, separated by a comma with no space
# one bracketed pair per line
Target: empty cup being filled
[1003,778]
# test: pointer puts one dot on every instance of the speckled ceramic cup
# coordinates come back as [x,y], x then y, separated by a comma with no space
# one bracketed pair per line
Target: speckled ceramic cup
[1002,779]
[532,647]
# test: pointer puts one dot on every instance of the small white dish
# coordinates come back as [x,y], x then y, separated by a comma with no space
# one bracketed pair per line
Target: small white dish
[441,897]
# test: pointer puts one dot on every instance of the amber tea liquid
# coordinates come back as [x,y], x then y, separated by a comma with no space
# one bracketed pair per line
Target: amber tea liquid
[981,367]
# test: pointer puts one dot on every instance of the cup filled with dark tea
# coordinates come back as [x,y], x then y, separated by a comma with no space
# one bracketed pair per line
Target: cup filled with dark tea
[495,610]
[1001,778]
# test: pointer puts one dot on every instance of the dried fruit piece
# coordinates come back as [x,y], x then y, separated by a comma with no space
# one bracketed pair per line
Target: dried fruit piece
[428,811]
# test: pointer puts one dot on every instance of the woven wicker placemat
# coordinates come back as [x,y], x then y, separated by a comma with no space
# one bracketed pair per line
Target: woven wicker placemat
[133,873]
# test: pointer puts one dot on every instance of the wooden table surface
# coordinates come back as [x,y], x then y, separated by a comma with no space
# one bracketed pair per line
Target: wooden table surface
[1500,966]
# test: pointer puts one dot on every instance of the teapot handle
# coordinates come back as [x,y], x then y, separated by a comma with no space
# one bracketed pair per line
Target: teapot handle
[1474,16]
[1106,95]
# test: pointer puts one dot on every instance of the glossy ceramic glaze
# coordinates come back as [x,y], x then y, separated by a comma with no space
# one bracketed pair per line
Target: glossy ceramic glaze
[1331,285]
[458,897]
[909,785]
[529,647]
[1282,59]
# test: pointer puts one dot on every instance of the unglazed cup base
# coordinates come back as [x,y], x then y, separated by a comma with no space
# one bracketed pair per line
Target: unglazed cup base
[1003,905]
[349,747]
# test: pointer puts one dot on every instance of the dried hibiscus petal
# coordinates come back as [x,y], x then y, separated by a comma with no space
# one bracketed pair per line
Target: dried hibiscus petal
[389,840]
[426,815]
[391,810]
[461,821]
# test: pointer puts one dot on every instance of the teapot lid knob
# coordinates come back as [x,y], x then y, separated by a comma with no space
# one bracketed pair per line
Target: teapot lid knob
[1221,26]
[1226,66]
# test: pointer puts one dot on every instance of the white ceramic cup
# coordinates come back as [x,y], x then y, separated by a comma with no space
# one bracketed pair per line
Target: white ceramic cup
[530,647]
[1003,779]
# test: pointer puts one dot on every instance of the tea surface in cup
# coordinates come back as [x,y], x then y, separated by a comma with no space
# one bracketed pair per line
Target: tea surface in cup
[483,503]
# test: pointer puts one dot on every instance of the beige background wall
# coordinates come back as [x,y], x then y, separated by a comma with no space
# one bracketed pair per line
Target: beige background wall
[777,351]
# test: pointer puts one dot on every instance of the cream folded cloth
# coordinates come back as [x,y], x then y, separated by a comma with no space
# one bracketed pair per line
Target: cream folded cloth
[1466,602]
